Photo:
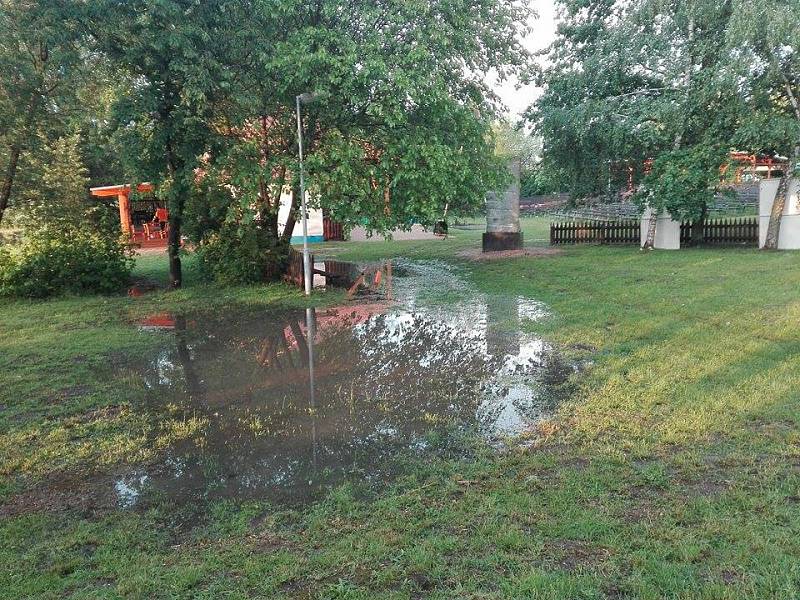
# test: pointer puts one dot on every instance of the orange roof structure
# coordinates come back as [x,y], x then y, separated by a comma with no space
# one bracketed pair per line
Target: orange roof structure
[122,192]
[116,190]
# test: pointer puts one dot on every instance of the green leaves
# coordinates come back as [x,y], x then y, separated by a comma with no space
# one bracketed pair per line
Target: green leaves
[764,56]
[629,82]
[397,130]
[683,182]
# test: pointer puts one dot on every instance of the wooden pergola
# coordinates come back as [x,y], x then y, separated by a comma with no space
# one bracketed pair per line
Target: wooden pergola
[122,192]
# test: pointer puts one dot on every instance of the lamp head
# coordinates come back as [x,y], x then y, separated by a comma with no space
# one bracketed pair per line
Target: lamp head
[306,97]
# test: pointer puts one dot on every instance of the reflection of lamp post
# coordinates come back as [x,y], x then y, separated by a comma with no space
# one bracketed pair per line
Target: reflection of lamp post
[311,333]
[305,99]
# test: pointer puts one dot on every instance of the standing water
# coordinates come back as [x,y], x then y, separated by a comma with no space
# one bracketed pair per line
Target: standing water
[282,405]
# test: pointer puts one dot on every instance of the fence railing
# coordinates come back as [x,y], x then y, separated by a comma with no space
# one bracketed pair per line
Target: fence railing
[724,232]
[332,230]
[741,231]
[595,232]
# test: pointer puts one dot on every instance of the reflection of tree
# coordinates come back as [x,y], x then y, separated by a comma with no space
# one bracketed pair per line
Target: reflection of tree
[379,385]
[502,326]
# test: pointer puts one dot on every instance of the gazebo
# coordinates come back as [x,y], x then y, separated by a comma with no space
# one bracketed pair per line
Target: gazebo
[150,232]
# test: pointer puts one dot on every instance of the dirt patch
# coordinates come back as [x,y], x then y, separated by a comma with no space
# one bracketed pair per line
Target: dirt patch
[643,503]
[731,577]
[85,494]
[478,255]
[296,588]
[636,513]
[574,555]
[614,592]
[269,542]
[144,286]
[69,393]
[705,488]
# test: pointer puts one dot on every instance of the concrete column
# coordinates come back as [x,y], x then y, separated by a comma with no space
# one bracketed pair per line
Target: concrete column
[789,236]
[668,231]
[502,216]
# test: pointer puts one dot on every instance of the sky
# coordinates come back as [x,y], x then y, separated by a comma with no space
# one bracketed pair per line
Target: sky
[540,37]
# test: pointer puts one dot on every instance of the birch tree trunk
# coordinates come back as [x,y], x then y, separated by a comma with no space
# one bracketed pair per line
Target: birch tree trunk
[291,218]
[778,204]
[650,240]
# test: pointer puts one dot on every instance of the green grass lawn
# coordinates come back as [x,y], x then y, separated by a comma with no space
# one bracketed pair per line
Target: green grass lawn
[674,472]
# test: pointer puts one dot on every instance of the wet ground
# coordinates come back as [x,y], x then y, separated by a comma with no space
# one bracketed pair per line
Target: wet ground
[283,405]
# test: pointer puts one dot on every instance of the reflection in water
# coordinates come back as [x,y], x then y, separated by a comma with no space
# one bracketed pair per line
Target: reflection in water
[285,404]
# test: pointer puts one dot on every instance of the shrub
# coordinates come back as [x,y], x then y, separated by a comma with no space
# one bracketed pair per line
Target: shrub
[243,254]
[76,261]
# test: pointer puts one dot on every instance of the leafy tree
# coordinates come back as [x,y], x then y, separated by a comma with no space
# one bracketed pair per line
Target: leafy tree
[40,59]
[56,190]
[540,181]
[398,127]
[513,142]
[684,182]
[632,81]
[764,53]
[173,54]
[70,245]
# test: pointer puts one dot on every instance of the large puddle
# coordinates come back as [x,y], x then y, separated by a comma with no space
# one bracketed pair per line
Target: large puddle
[282,405]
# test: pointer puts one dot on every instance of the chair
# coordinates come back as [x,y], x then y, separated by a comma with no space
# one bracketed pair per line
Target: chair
[154,233]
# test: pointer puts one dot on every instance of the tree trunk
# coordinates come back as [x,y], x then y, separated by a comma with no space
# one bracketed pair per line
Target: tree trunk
[173,249]
[650,240]
[778,204]
[8,179]
[291,219]
[13,158]
[697,227]
[176,205]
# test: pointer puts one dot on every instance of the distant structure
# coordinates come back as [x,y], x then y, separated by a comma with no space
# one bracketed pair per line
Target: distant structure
[502,216]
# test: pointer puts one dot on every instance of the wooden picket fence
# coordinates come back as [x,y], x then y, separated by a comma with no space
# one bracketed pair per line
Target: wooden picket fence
[332,230]
[739,231]
[595,232]
[294,271]
[742,231]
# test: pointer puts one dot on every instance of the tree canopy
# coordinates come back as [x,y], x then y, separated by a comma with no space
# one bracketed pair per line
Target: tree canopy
[199,98]
[397,129]
[628,81]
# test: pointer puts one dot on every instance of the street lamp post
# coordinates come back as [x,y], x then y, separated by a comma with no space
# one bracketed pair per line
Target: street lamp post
[304,209]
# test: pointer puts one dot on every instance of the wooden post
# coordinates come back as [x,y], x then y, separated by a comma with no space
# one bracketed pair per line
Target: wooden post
[124,212]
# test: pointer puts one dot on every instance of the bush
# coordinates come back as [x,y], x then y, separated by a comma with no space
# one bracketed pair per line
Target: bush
[243,254]
[75,261]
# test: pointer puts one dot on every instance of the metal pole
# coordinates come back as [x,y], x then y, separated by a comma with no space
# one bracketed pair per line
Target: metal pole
[304,209]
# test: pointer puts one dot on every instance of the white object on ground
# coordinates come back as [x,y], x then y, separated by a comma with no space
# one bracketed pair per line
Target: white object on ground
[668,231]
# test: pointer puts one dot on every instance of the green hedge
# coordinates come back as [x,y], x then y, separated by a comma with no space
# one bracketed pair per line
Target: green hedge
[242,255]
[55,262]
